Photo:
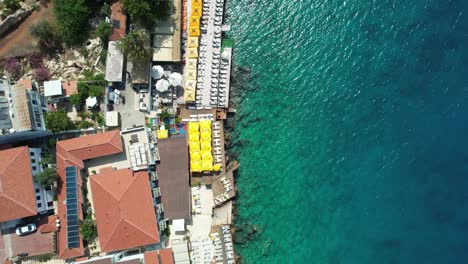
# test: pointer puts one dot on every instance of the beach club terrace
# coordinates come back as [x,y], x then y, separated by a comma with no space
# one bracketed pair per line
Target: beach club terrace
[71,157]
[161,256]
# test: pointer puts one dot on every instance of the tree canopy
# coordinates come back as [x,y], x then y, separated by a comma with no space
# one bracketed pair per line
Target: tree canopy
[72,21]
[88,228]
[147,12]
[47,177]
[104,30]
[136,46]
[58,121]
[46,36]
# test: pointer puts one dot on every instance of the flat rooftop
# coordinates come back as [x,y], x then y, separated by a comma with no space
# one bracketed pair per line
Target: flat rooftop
[174,177]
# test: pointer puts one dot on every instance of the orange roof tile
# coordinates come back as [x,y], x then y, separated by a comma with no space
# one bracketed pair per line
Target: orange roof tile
[70,87]
[151,257]
[117,14]
[17,199]
[166,256]
[124,210]
[48,224]
[72,152]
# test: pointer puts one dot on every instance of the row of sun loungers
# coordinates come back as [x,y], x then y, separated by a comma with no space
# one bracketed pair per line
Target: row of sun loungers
[196,203]
[202,252]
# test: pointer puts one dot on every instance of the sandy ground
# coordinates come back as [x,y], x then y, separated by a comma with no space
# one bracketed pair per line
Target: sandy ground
[19,41]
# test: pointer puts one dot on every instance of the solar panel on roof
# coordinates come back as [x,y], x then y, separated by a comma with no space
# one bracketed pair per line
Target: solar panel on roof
[73,236]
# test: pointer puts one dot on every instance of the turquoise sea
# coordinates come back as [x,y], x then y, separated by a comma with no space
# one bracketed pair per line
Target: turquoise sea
[352,130]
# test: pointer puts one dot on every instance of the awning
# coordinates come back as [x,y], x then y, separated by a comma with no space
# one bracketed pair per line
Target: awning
[194,145]
[195,156]
[192,53]
[206,146]
[207,165]
[192,42]
[194,31]
[194,137]
[205,125]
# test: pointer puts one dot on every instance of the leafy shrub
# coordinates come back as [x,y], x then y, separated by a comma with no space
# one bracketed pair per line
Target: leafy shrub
[13,67]
[85,124]
[42,74]
[103,31]
[35,60]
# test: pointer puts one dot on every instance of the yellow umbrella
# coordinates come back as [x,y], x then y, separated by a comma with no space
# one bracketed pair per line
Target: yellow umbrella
[195,166]
[194,21]
[191,75]
[194,145]
[205,125]
[190,85]
[163,134]
[194,31]
[189,96]
[193,126]
[192,53]
[194,137]
[217,167]
[191,64]
[206,145]
[196,11]
[195,156]
[207,166]
[196,2]
[206,155]
[193,41]
[206,134]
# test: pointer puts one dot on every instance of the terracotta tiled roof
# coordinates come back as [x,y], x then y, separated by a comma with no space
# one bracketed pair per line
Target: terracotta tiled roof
[70,87]
[124,210]
[151,257]
[48,224]
[117,14]
[17,199]
[166,256]
[26,83]
[72,152]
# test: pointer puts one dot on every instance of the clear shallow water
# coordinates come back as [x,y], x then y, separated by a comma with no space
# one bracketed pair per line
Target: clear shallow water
[353,132]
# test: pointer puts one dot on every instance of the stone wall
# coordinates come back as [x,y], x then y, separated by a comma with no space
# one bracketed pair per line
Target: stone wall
[14,19]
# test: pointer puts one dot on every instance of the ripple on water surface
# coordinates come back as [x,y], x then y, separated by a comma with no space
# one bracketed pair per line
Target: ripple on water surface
[352,140]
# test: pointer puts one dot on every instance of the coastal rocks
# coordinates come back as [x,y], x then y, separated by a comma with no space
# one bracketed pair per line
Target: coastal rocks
[245,233]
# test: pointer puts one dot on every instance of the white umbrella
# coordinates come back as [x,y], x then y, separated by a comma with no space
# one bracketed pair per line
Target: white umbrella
[162,85]
[175,79]
[157,72]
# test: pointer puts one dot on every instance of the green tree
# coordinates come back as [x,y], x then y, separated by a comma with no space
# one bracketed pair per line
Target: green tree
[48,158]
[72,21]
[88,228]
[58,121]
[136,46]
[85,124]
[147,12]
[46,35]
[76,100]
[104,30]
[47,177]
